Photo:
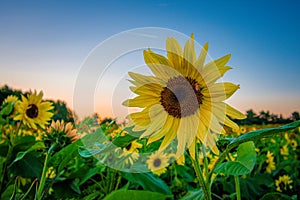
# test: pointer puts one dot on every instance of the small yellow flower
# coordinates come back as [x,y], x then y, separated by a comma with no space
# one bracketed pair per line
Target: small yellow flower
[293,143]
[32,111]
[243,129]
[283,183]
[50,173]
[11,98]
[284,150]
[130,152]
[273,141]
[158,162]
[271,164]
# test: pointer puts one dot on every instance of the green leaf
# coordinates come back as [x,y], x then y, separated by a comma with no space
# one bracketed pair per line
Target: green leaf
[64,156]
[258,134]
[4,148]
[135,195]
[275,196]
[148,181]
[123,141]
[2,121]
[90,173]
[28,167]
[6,110]
[193,194]
[246,158]
[64,189]
[20,155]
[8,192]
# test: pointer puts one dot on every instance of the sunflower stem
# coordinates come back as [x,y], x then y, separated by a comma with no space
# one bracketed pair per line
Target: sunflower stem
[43,177]
[205,162]
[237,187]
[205,187]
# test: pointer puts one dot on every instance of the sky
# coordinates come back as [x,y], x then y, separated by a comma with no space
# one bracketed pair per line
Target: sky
[44,45]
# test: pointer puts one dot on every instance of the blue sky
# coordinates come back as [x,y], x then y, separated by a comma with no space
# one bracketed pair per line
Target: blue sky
[44,43]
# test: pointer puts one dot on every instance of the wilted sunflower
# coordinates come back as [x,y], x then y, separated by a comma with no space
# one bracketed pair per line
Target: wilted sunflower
[157,162]
[33,111]
[182,99]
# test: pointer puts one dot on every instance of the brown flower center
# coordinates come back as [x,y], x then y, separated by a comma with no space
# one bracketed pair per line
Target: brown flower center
[32,111]
[182,96]
[157,162]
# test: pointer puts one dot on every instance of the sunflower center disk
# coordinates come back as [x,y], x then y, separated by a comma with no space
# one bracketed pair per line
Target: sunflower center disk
[157,162]
[32,111]
[182,97]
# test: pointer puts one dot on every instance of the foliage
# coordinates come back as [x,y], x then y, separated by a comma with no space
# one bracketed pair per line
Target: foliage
[262,159]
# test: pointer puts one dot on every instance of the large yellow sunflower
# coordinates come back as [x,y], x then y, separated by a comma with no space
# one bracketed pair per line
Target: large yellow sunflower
[182,100]
[32,111]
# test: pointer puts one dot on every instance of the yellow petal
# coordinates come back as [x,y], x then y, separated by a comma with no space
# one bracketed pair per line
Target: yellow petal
[159,65]
[142,101]
[189,53]
[148,89]
[192,148]
[219,91]
[164,131]
[230,111]
[174,52]
[143,80]
[199,64]
[171,134]
[156,123]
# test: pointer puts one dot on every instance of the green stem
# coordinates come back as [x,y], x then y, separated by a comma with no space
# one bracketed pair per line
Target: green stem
[237,187]
[23,197]
[43,177]
[205,187]
[205,162]
[118,182]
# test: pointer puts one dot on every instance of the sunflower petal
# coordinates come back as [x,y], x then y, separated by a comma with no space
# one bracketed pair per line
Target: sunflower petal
[174,52]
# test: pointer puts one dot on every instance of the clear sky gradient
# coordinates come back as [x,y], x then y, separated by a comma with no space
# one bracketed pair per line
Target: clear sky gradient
[44,43]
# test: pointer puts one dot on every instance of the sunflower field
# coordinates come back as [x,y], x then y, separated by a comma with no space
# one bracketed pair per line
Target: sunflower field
[186,142]
[42,158]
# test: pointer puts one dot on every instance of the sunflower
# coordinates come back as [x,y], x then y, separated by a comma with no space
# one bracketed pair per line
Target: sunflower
[130,152]
[271,164]
[12,99]
[67,129]
[182,100]
[32,111]
[284,182]
[157,162]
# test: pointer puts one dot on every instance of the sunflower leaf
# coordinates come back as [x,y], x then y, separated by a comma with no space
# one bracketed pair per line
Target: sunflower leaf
[135,195]
[258,134]
[21,154]
[148,181]
[246,158]
[193,194]
[6,110]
